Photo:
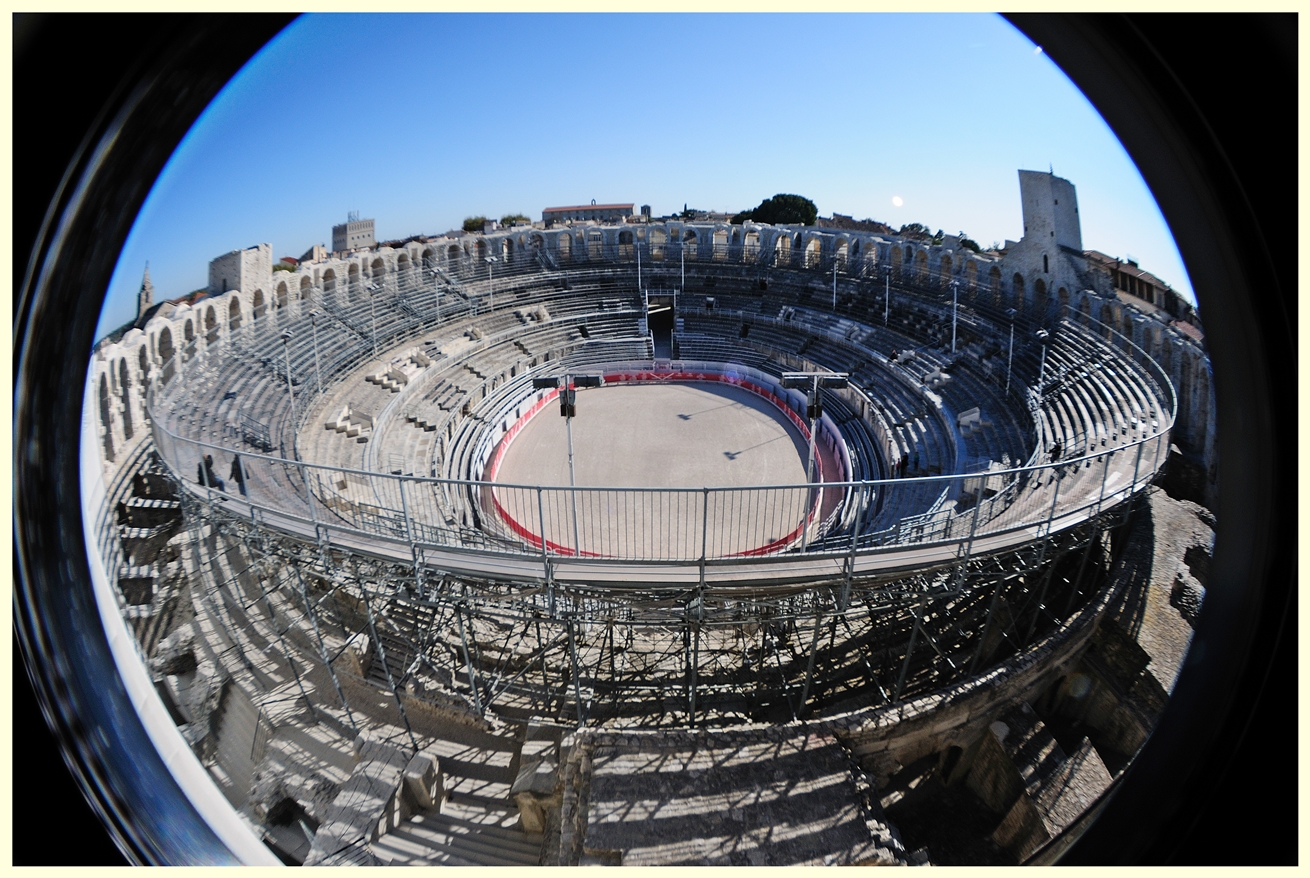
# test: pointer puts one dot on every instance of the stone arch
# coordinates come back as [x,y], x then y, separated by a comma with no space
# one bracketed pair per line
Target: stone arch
[1107,320]
[188,333]
[1063,296]
[1016,291]
[1127,325]
[306,289]
[946,267]
[896,260]
[595,244]
[452,255]
[736,236]
[751,249]
[481,248]
[719,245]
[813,252]
[843,252]
[1085,312]
[404,269]
[233,313]
[329,280]
[921,266]
[690,244]
[429,259]
[280,295]
[1039,292]
[564,244]
[507,250]
[352,279]
[657,240]
[166,352]
[378,270]
[625,246]
[258,307]
[971,274]
[782,250]
[125,388]
[106,419]
[211,325]
[143,360]
[537,242]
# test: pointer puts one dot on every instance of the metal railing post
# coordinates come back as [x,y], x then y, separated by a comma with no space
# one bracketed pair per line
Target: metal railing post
[704,531]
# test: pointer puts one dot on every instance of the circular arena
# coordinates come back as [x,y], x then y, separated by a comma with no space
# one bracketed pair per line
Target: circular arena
[809,495]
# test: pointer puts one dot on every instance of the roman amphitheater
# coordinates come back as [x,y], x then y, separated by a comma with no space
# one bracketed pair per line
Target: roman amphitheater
[926,613]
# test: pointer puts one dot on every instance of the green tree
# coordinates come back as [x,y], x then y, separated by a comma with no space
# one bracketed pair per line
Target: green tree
[782,209]
[474,223]
[914,230]
[509,219]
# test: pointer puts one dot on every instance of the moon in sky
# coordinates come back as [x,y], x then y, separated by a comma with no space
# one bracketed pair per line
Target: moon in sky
[897,201]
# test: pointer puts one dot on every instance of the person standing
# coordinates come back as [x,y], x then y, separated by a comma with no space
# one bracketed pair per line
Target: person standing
[237,475]
[214,480]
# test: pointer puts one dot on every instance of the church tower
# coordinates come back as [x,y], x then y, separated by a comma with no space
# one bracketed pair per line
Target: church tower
[146,297]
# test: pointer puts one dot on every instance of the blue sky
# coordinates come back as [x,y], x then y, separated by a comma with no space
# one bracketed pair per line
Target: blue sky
[421,120]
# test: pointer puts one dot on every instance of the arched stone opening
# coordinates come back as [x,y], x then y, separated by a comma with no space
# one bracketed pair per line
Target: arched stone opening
[233,314]
[658,237]
[751,250]
[947,269]
[106,421]
[280,295]
[306,289]
[329,280]
[1063,296]
[507,250]
[1039,292]
[782,251]
[452,255]
[843,253]
[125,388]
[166,352]
[143,361]
[921,266]
[564,245]
[353,285]
[429,260]
[189,347]
[378,270]
[625,246]
[257,306]
[690,243]
[719,243]
[595,244]
[971,275]
[481,248]
[813,252]
[1107,320]
[1017,292]
[211,325]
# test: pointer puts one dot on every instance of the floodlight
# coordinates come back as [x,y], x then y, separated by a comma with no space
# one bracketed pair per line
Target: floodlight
[588,381]
[545,383]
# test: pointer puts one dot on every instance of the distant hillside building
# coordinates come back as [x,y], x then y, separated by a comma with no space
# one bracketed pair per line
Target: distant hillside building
[353,234]
[598,212]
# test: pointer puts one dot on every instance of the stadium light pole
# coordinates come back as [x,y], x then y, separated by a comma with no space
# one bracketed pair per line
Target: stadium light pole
[834,284]
[682,258]
[286,350]
[491,295]
[568,409]
[436,286]
[814,411]
[955,308]
[1009,359]
[886,293]
[373,314]
[318,371]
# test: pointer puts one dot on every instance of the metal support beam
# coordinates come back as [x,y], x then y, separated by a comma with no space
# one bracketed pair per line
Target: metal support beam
[905,665]
[382,656]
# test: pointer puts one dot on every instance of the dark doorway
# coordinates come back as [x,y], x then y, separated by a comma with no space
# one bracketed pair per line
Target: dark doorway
[659,319]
